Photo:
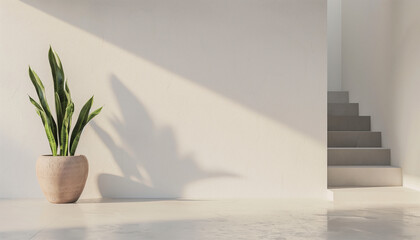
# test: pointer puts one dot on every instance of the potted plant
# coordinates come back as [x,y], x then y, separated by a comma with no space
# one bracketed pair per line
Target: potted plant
[61,175]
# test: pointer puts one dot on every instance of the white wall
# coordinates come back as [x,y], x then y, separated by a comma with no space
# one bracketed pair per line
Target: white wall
[203,99]
[334,44]
[367,41]
[381,56]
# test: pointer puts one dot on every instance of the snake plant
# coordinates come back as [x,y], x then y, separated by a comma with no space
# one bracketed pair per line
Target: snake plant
[58,132]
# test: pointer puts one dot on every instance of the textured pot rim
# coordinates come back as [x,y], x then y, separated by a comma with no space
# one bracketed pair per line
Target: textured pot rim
[50,155]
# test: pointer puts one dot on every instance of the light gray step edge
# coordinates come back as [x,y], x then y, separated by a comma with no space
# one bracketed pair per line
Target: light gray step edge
[364,176]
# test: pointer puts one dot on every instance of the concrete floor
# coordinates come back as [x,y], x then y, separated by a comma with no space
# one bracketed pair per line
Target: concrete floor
[387,213]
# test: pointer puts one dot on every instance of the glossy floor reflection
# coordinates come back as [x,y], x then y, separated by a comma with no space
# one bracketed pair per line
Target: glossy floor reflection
[227,219]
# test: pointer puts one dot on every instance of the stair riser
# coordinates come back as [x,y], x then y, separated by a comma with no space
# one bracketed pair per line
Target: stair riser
[343,109]
[348,123]
[354,139]
[364,177]
[359,156]
[338,97]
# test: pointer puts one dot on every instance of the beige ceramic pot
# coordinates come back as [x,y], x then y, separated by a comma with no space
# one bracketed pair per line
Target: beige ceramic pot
[62,178]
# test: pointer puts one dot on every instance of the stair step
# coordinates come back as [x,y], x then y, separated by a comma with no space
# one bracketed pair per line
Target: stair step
[377,195]
[359,156]
[354,139]
[343,109]
[338,97]
[348,123]
[364,176]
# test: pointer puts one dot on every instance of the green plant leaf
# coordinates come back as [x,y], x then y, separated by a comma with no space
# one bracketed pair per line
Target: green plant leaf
[77,138]
[58,76]
[59,112]
[93,114]
[64,147]
[75,143]
[56,68]
[39,87]
[59,134]
[81,121]
[69,101]
[48,131]
[67,89]
[35,103]
[46,123]
[59,88]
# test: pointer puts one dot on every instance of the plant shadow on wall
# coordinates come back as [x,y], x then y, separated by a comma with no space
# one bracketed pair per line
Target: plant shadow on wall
[146,155]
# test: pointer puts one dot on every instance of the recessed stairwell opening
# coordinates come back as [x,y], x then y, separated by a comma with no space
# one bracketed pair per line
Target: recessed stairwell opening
[355,154]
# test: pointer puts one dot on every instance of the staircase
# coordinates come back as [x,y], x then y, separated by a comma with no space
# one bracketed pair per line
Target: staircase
[355,154]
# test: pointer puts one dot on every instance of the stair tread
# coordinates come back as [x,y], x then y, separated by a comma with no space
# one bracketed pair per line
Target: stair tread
[343,103]
[362,148]
[353,131]
[375,195]
[362,116]
[362,166]
[338,97]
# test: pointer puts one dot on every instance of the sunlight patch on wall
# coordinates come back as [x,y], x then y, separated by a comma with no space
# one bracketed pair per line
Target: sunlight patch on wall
[160,134]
